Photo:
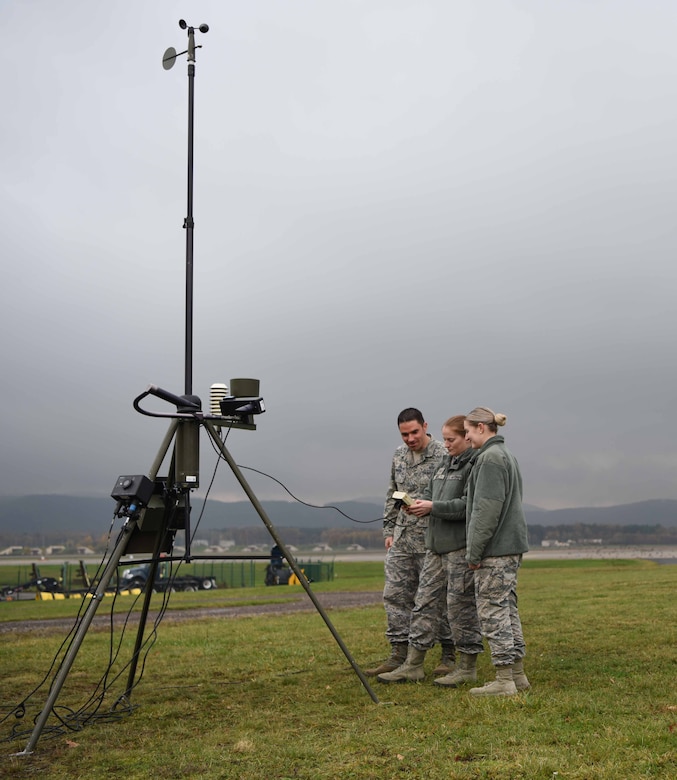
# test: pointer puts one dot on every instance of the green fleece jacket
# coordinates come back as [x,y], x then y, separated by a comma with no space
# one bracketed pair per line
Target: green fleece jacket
[495,522]
[446,525]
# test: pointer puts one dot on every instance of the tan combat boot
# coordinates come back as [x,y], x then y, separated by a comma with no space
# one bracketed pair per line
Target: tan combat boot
[410,671]
[397,657]
[518,676]
[503,685]
[465,671]
[446,664]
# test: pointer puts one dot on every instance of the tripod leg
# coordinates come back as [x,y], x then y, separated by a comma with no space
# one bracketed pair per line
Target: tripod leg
[164,449]
[143,617]
[97,597]
[290,558]
[161,533]
[79,636]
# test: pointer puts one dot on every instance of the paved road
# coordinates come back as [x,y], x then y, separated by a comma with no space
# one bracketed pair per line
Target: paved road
[300,603]
[652,552]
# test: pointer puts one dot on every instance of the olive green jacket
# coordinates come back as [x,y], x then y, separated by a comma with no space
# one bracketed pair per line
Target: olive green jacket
[446,524]
[495,522]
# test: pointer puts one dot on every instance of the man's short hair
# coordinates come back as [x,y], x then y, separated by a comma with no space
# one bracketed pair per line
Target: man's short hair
[409,415]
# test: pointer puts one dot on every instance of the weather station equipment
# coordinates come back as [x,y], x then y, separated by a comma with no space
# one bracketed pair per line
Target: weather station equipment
[155,506]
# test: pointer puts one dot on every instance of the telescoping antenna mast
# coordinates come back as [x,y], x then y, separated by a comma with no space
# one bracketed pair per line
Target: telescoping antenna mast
[168,61]
[155,507]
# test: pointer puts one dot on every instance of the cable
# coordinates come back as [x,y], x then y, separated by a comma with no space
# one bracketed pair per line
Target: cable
[73,720]
[306,503]
[66,639]
[211,483]
[286,489]
[315,506]
[70,719]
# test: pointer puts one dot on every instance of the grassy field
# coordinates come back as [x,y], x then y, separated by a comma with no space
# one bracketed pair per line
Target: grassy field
[366,576]
[273,696]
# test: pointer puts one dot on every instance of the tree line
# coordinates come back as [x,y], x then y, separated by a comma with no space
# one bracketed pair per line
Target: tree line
[340,538]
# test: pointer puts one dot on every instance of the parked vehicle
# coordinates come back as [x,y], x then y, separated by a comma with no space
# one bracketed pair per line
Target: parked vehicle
[278,571]
[137,577]
[28,589]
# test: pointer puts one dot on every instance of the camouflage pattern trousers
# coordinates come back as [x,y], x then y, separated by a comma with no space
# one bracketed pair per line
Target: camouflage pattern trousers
[429,623]
[496,596]
[414,595]
[461,604]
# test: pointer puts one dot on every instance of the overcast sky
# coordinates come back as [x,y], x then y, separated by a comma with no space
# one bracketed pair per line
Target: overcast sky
[438,203]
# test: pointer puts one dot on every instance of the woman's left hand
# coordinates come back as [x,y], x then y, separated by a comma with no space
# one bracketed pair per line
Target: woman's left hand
[420,508]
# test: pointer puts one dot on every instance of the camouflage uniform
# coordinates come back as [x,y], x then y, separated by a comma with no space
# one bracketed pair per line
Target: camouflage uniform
[446,531]
[496,538]
[410,472]
[461,604]
[429,622]
[496,589]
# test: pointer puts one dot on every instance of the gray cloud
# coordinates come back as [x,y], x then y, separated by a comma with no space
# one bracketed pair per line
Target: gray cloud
[397,203]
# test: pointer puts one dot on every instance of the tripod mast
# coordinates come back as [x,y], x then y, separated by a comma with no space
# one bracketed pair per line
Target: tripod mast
[138,497]
[189,223]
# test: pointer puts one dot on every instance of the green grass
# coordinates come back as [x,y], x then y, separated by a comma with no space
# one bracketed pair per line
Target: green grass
[273,696]
[362,576]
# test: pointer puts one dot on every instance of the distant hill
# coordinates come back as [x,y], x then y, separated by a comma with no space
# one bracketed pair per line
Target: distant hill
[35,514]
[657,512]
[42,513]
[74,514]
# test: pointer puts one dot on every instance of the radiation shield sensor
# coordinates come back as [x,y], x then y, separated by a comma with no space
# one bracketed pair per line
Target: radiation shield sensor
[237,408]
